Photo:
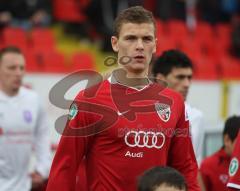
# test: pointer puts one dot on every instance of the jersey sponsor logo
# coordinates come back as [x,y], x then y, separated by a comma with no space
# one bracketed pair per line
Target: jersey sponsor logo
[233,168]
[134,155]
[163,111]
[73,111]
[145,139]
[27,115]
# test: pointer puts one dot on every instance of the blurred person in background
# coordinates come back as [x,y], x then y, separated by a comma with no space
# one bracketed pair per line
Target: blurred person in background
[25,13]
[162,179]
[23,127]
[102,13]
[184,10]
[216,11]
[175,68]
[214,169]
[234,168]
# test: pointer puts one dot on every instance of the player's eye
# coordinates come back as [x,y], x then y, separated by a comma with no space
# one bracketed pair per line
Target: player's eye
[147,39]
[130,38]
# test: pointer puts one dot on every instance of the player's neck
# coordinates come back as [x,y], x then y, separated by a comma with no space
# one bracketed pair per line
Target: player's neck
[227,151]
[9,92]
[130,79]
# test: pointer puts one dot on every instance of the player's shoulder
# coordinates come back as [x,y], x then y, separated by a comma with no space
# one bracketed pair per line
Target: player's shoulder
[211,160]
[193,111]
[93,90]
[175,96]
[28,93]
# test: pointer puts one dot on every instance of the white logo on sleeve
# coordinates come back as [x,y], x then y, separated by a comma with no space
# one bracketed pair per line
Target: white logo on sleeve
[233,168]
[73,111]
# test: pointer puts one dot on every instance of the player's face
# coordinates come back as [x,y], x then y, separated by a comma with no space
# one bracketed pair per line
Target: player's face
[228,144]
[179,79]
[12,69]
[135,46]
[165,187]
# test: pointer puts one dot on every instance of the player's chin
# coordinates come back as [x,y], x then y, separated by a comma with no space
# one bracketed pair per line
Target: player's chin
[16,86]
[184,94]
[138,69]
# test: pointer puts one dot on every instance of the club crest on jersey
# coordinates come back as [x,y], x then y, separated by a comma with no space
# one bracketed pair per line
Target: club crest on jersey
[233,168]
[27,115]
[73,111]
[163,111]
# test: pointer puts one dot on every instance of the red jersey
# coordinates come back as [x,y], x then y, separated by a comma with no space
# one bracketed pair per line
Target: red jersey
[81,179]
[121,140]
[234,170]
[214,171]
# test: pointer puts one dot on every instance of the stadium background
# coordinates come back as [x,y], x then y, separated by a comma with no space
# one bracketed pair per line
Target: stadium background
[54,51]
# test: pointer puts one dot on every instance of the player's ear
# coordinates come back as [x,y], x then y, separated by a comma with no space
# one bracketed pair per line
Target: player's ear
[161,77]
[155,48]
[114,41]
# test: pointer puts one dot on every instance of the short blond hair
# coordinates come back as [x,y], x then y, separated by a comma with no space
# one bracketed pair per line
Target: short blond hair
[135,14]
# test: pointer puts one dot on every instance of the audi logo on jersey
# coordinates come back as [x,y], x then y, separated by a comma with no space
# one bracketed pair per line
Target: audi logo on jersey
[145,139]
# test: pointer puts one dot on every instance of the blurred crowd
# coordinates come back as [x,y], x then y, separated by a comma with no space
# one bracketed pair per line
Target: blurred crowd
[93,18]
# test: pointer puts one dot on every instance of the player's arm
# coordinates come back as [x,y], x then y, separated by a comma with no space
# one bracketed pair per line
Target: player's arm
[234,167]
[42,145]
[198,137]
[181,154]
[70,152]
[201,182]
[205,173]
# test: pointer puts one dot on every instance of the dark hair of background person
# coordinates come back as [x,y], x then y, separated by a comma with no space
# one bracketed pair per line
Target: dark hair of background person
[232,127]
[158,176]
[170,59]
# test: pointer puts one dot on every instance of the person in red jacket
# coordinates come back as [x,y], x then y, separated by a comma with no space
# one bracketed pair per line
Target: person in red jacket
[126,124]
[234,171]
[214,169]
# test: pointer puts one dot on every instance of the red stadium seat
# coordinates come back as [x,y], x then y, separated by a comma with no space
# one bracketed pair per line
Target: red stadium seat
[177,29]
[205,68]
[68,10]
[15,37]
[82,60]
[223,30]
[230,68]
[204,33]
[42,39]
[160,27]
[204,29]
[165,43]
[149,5]
[2,45]
[52,62]
[55,62]
[31,62]
[191,48]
